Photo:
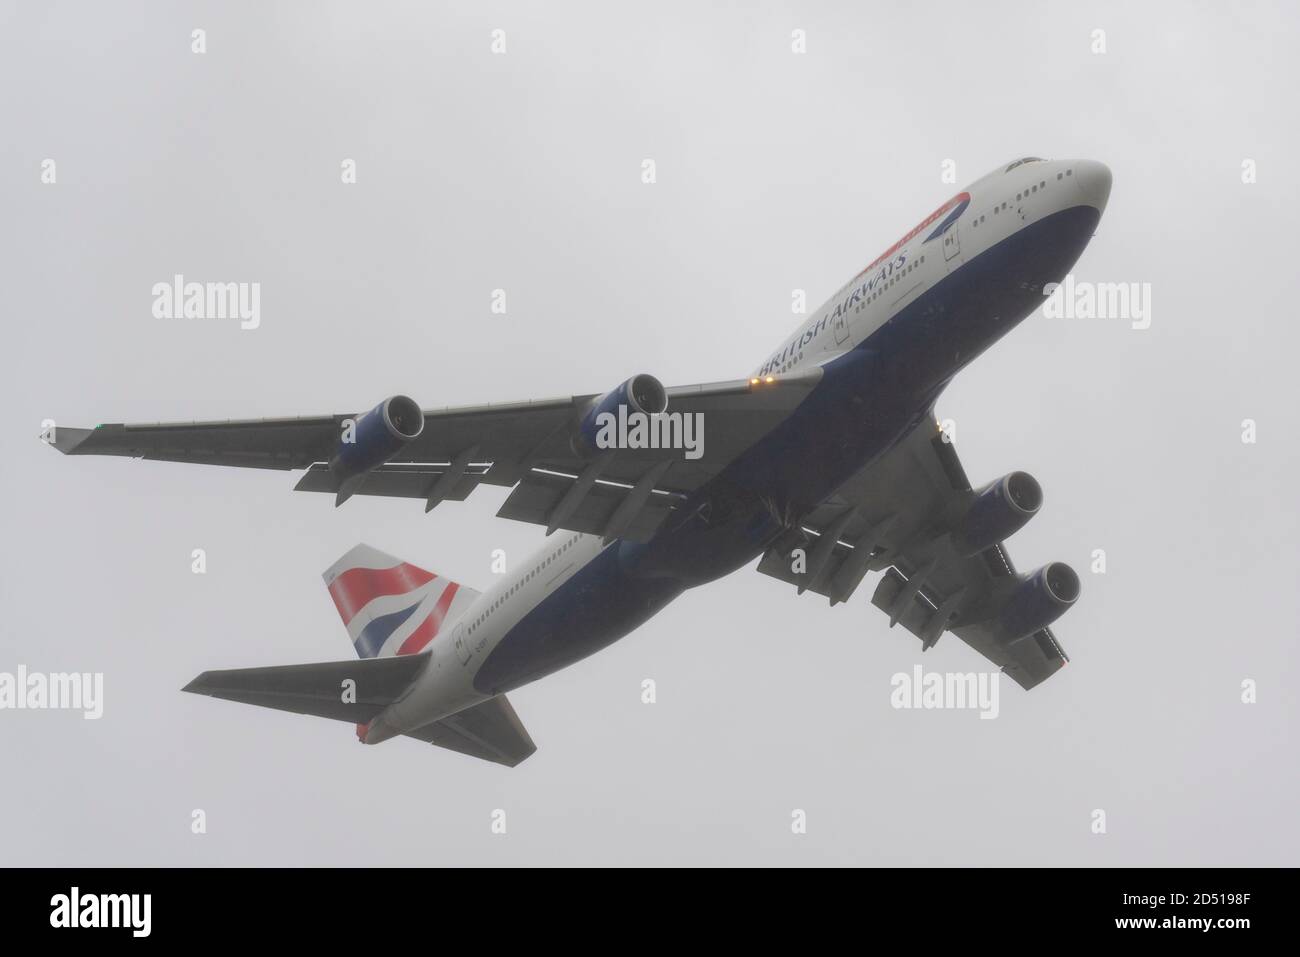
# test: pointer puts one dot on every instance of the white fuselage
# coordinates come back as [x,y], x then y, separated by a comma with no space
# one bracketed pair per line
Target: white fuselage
[447,683]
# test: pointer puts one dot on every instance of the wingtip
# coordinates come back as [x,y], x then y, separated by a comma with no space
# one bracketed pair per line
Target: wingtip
[198,684]
[66,440]
[514,762]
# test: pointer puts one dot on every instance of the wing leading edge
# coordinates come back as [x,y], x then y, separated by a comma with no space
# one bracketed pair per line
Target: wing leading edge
[526,445]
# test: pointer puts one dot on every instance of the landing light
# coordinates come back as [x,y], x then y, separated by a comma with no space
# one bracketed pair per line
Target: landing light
[753,382]
[771,378]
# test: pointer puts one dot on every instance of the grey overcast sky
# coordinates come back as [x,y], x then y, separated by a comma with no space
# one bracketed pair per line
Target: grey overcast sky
[521,171]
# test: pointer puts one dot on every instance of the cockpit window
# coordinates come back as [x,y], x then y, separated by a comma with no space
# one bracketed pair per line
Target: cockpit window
[1022,162]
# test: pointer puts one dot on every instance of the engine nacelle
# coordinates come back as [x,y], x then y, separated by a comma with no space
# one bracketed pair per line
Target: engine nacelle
[642,394]
[999,510]
[377,436]
[1039,599]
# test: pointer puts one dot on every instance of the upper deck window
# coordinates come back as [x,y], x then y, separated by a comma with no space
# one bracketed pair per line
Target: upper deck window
[1022,162]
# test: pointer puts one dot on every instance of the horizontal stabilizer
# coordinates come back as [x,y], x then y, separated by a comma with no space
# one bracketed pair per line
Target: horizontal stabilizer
[490,730]
[317,689]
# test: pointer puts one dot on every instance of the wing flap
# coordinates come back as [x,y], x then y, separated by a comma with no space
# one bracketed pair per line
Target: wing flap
[1028,662]
[400,480]
[539,495]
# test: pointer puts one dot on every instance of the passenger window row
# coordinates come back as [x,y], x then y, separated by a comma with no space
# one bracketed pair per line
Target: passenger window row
[890,282]
[520,584]
[1023,194]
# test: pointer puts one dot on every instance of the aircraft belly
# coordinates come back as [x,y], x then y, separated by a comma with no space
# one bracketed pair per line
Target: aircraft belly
[596,606]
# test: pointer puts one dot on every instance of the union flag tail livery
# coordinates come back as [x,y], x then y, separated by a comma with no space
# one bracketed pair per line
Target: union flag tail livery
[391,607]
[394,613]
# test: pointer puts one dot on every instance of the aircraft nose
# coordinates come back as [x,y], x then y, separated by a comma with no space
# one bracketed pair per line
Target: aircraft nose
[1094,182]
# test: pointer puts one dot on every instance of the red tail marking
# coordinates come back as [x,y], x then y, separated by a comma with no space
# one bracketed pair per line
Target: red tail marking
[354,588]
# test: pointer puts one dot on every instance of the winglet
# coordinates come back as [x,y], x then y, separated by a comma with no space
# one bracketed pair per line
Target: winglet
[200,684]
[66,440]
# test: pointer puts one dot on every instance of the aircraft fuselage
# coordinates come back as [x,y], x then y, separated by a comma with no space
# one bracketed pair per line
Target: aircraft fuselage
[888,343]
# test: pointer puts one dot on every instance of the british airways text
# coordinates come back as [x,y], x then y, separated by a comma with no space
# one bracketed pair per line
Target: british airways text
[842,307]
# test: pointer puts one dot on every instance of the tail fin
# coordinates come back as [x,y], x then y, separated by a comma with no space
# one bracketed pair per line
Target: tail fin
[391,607]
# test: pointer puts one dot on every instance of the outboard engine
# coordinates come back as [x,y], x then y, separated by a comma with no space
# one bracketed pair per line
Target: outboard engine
[377,436]
[1039,599]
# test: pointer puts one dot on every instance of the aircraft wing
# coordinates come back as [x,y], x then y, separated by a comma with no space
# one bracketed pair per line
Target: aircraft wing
[527,445]
[897,516]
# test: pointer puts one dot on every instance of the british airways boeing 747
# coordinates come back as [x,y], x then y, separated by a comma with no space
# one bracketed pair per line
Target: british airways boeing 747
[826,464]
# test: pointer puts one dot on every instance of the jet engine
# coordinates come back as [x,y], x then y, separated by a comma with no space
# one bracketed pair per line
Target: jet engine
[642,394]
[999,510]
[1040,598]
[376,436]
